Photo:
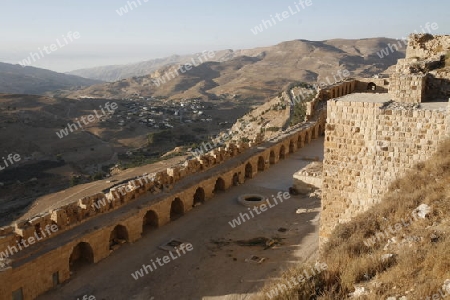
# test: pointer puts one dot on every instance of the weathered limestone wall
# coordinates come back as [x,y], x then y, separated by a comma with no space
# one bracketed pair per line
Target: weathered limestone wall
[367,146]
[407,88]
[423,74]
[426,45]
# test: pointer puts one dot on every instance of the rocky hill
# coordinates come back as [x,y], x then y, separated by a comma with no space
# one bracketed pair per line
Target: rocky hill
[253,74]
[118,72]
[15,79]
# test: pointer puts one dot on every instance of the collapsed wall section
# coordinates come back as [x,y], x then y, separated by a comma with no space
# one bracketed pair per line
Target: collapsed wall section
[369,143]
[426,45]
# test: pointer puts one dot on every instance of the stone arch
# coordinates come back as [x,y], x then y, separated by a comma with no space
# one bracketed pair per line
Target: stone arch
[248,170]
[371,86]
[220,185]
[235,179]
[199,196]
[261,164]
[299,141]
[282,154]
[307,137]
[291,147]
[272,157]
[81,256]
[150,221]
[118,236]
[176,209]
[315,132]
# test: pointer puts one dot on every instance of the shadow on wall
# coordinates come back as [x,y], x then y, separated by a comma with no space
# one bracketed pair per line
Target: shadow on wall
[437,88]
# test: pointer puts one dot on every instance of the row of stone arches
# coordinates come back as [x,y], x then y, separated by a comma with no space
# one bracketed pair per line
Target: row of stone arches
[83,254]
[341,90]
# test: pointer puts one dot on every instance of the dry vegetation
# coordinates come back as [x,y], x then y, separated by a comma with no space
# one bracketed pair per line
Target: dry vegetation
[416,260]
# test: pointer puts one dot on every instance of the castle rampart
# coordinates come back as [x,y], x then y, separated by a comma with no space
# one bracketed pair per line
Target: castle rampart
[373,139]
[369,143]
[88,233]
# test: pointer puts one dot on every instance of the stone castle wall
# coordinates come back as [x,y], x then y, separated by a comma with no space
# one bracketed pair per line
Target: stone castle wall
[426,45]
[149,199]
[423,74]
[86,231]
[407,88]
[368,145]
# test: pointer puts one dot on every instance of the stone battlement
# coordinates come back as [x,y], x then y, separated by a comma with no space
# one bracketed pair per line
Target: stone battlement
[373,139]
[423,75]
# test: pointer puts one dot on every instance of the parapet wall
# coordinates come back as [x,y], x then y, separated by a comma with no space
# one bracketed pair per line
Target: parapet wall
[73,214]
[367,146]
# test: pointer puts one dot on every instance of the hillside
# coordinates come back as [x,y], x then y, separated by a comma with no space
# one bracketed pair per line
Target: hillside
[15,79]
[396,250]
[255,74]
[137,133]
[118,72]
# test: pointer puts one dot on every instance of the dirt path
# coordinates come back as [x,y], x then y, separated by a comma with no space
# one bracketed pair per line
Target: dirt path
[216,267]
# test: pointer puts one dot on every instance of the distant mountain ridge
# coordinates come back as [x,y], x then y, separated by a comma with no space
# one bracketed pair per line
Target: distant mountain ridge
[113,73]
[15,79]
[253,74]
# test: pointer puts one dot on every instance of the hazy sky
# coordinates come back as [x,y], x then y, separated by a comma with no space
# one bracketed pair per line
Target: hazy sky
[165,27]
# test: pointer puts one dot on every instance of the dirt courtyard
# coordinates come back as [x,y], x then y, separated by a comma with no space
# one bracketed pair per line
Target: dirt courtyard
[216,268]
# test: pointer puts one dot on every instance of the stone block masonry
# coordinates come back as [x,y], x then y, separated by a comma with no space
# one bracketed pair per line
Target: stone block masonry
[426,45]
[423,74]
[407,88]
[370,142]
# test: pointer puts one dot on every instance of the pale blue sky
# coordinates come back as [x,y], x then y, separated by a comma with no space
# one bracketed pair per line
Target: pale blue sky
[165,27]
